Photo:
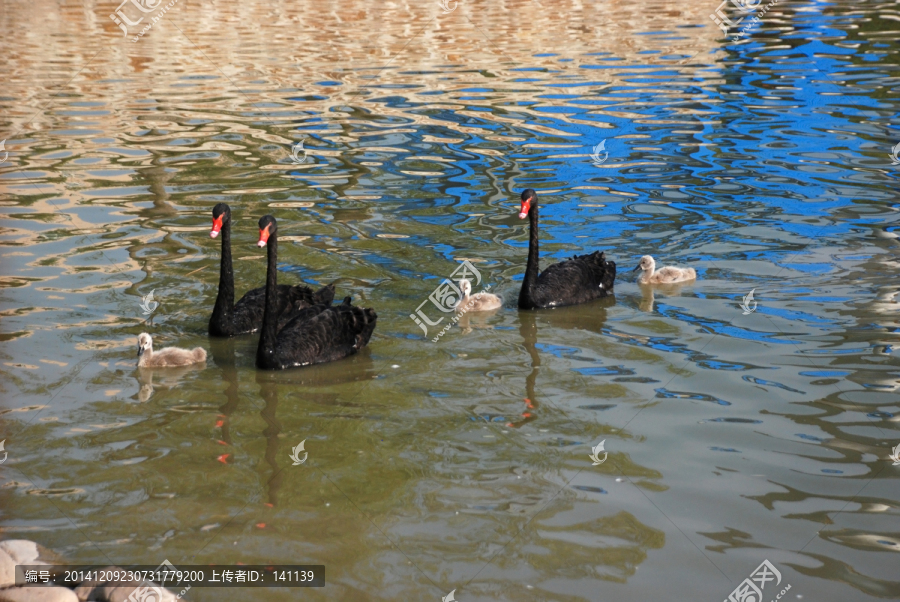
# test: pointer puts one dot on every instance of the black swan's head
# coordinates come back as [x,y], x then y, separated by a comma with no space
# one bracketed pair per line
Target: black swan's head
[267,227]
[221,214]
[529,198]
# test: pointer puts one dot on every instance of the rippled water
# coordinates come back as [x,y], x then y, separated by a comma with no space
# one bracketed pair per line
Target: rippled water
[463,463]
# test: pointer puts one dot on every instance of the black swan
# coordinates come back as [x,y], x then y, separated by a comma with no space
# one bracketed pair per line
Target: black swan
[229,318]
[319,333]
[578,280]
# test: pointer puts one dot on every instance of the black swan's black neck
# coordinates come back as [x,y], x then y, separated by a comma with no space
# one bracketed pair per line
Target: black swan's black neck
[221,316]
[265,352]
[531,269]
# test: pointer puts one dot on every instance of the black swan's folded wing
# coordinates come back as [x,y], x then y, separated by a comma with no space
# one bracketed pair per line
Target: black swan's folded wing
[576,280]
[323,334]
[248,312]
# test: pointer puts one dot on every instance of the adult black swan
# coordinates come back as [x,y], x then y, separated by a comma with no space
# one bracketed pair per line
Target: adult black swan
[319,333]
[229,318]
[578,280]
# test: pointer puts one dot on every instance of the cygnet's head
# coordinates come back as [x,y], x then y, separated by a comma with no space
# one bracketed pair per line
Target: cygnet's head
[465,286]
[646,263]
[145,343]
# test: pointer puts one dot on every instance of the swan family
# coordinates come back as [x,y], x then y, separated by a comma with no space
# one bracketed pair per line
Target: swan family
[301,327]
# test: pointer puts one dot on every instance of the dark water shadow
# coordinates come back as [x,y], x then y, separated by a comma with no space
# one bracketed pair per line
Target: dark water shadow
[648,293]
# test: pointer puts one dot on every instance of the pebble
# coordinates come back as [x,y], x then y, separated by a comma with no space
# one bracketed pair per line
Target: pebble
[90,588]
[7,569]
[123,594]
[21,550]
[119,591]
[37,594]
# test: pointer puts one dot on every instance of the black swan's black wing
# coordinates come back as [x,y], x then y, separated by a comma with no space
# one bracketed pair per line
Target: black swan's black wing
[324,295]
[248,312]
[577,280]
[323,334]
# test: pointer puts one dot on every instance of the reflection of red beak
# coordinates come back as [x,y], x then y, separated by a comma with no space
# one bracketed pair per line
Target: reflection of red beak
[263,237]
[217,226]
[526,207]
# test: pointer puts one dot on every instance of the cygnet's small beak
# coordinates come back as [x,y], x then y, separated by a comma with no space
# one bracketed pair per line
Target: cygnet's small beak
[637,268]
[140,351]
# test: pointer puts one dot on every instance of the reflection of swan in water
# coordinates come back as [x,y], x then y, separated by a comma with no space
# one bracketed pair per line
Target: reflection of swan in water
[582,317]
[223,354]
[886,302]
[476,319]
[356,368]
[167,378]
[467,322]
[647,294]
[885,314]
[528,330]
[268,391]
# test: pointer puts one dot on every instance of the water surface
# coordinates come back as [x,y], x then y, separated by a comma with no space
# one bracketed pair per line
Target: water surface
[460,464]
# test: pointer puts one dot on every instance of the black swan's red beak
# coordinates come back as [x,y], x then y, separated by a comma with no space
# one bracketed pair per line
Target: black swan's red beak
[263,237]
[217,226]
[526,207]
